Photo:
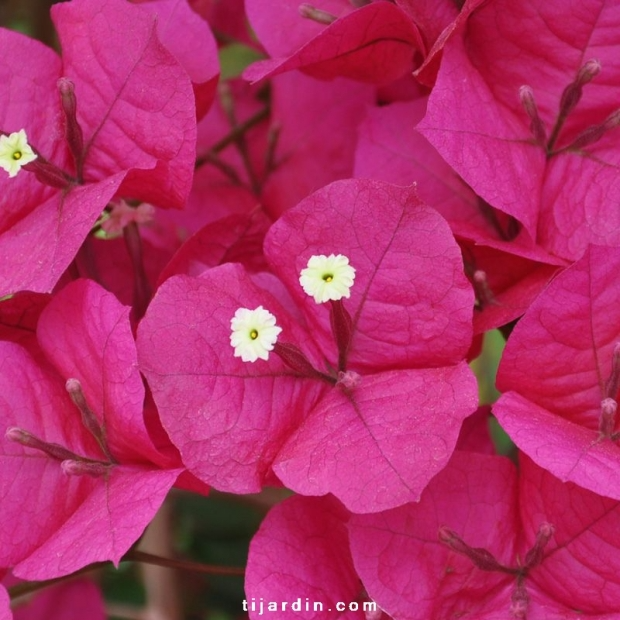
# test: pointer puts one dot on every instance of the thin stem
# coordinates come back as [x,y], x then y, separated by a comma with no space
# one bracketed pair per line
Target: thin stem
[238,130]
[228,106]
[225,168]
[85,261]
[196,567]
[142,288]
[27,587]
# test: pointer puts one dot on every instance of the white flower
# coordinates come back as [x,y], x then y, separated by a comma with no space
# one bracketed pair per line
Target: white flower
[327,277]
[254,333]
[15,152]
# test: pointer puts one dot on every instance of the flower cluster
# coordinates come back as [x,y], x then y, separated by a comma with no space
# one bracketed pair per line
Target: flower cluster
[293,278]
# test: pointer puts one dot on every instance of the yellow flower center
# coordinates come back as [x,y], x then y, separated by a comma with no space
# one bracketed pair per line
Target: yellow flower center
[328,277]
[17,155]
[253,334]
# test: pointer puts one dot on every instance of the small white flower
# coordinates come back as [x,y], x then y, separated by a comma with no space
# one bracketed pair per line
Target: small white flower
[254,333]
[327,277]
[15,152]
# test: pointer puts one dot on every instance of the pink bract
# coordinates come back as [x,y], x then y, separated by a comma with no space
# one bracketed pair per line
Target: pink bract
[555,374]
[237,238]
[374,44]
[75,600]
[301,551]
[489,544]
[135,102]
[374,446]
[5,610]
[136,112]
[317,125]
[390,148]
[280,27]
[189,38]
[84,334]
[558,187]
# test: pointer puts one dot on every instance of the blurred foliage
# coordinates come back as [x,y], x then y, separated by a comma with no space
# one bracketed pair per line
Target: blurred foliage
[234,58]
[214,530]
[485,368]
[32,17]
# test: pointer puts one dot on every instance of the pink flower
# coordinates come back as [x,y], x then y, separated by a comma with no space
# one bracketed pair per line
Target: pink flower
[560,372]
[80,477]
[107,119]
[362,397]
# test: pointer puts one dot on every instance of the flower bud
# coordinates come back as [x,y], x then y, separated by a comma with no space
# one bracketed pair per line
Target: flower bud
[56,451]
[526,95]
[84,468]
[310,12]
[572,93]
[73,131]
[480,557]
[535,555]
[595,132]
[349,379]
[294,358]
[607,419]
[89,419]
[519,602]
[613,383]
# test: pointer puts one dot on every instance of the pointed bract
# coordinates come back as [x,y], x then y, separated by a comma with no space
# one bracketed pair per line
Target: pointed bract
[374,44]
[301,551]
[560,190]
[554,371]
[477,515]
[76,520]
[74,600]
[396,345]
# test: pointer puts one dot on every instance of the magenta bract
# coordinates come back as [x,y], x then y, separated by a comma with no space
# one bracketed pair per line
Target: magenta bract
[301,551]
[135,102]
[544,157]
[485,543]
[280,27]
[135,108]
[189,38]
[115,478]
[317,136]
[74,600]
[410,310]
[374,44]
[5,610]
[556,371]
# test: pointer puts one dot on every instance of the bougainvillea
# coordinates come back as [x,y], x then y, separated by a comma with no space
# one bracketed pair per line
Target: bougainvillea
[107,118]
[337,365]
[281,248]
[560,405]
[76,458]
